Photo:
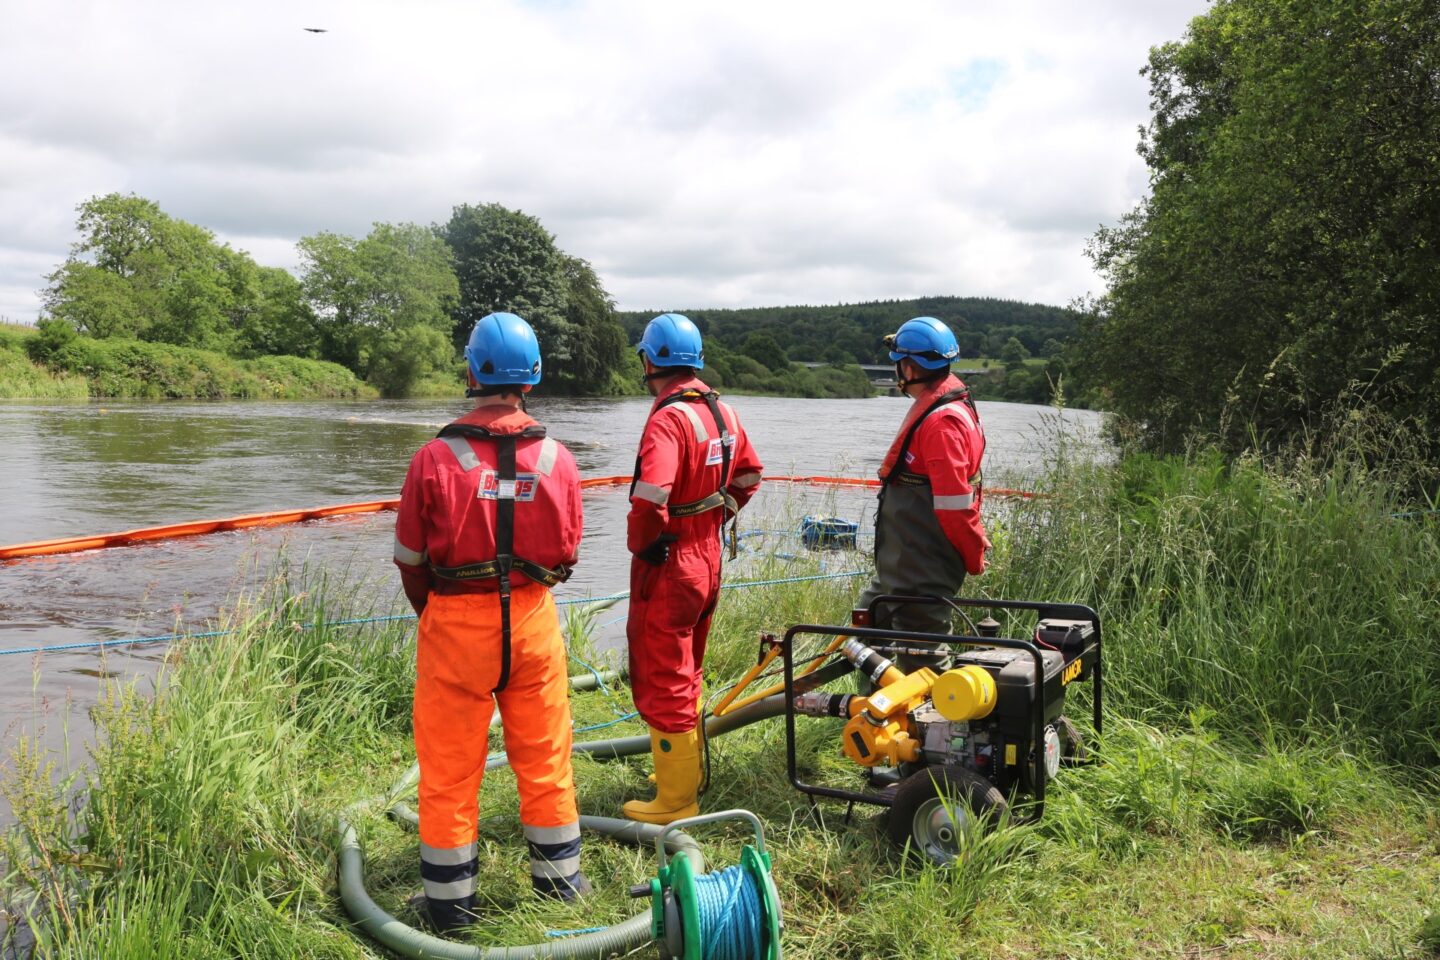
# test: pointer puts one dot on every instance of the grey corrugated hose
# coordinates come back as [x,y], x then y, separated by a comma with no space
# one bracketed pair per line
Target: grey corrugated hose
[614,941]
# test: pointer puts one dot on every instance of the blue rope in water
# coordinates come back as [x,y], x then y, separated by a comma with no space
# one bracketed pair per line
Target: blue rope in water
[729,907]
[168,637]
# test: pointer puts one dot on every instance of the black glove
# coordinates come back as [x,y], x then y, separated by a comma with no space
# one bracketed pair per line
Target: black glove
[659,551]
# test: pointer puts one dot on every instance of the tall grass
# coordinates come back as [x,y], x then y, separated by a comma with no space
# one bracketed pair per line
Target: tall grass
[1266,785]
[1297,607]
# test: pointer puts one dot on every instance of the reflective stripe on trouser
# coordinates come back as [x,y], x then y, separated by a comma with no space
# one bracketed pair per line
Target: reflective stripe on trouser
[457,667]
[448,877]
[670,609]
[554,859]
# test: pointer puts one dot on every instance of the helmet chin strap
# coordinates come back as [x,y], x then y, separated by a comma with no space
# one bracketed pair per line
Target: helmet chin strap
[930,376]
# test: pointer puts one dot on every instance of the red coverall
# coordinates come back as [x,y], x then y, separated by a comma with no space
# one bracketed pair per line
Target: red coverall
[447,518]
[671,603]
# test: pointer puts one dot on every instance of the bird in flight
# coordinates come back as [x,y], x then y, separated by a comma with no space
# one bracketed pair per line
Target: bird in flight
[315,29]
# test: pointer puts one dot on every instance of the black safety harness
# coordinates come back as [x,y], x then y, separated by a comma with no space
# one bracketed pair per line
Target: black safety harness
[897,472]
[505,560]
[721,497]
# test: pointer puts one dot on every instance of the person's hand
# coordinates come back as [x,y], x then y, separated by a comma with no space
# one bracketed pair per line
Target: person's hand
[659,551]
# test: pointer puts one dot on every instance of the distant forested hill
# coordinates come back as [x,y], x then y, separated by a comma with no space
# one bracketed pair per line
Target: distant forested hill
[851,332]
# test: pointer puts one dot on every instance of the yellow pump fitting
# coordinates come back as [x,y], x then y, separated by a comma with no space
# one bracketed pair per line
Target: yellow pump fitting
[965,693]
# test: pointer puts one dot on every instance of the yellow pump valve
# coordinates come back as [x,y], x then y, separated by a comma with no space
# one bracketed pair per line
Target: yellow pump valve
[965,693]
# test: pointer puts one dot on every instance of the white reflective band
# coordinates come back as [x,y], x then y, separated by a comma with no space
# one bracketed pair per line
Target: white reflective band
[560,834]
[554,869]
[546,461]
[448,856]
[405,555]
[454,890]
[961,501]
[964,412]
[463,452]
[701,433]
[650,492]
[746,480]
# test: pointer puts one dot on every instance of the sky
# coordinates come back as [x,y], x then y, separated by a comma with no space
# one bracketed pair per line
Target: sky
[698,154]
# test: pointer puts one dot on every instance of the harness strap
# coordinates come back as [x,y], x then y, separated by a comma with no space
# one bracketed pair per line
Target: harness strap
[505,546]
[721,497]
[948,396]
[505,559]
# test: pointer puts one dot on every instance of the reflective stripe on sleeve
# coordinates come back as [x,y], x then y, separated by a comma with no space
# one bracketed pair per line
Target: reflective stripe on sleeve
[650,492]
[959,501]
[463,452]
[546,461]
[407,556]
[964,412]
[746,480]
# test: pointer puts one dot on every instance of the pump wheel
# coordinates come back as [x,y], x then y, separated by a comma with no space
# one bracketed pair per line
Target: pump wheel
[934,806]
[1072,743]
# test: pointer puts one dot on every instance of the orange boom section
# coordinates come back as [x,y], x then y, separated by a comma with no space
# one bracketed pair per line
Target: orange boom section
[172,531]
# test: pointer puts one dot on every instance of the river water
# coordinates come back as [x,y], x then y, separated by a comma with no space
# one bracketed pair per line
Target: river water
[104,466]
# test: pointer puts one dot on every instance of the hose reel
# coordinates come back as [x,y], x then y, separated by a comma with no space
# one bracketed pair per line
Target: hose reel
[730,915]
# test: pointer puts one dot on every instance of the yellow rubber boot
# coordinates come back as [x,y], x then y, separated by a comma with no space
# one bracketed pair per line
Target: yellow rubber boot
[677,779]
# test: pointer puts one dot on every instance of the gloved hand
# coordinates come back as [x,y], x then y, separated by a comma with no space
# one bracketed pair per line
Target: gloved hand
[659,551]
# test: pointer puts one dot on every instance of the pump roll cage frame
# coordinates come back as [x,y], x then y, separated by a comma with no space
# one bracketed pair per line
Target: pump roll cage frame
[885,641]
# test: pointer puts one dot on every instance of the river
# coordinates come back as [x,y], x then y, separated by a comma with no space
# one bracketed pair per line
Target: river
[104,466]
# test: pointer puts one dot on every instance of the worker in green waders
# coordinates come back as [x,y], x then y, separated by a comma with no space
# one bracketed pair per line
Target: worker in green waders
[928,532]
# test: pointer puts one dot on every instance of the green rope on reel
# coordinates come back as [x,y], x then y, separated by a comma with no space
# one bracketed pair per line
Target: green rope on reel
[730,915]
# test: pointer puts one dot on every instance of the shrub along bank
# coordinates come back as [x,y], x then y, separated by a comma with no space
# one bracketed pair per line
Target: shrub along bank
[55,362]
[1267,783]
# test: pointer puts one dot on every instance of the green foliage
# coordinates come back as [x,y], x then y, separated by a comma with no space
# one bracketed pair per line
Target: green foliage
[851,333]
[21,378]
[1285,259]
[507,261]
[134,368]
[138,273]
[1014,352]
[597,352]
[382,303]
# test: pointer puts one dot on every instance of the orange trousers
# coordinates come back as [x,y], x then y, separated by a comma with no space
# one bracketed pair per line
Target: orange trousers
[457,667]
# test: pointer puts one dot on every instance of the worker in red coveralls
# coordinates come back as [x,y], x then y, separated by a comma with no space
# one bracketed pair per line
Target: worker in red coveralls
[928,532]
[695,470]
[489,520]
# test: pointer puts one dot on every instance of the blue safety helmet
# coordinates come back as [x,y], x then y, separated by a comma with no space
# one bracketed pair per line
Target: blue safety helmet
[925,340]
[503,350]
[671,340]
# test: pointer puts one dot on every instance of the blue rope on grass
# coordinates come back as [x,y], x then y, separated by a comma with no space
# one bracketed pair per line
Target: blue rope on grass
[574,933]
[168,637]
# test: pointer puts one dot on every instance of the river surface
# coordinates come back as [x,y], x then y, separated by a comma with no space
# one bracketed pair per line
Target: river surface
[104,466]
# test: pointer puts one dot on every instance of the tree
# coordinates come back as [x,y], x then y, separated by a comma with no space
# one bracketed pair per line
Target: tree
[1014,352]
[382,304]
[597,341]
[765,350]
[505,260]
[1285,261]
[138,272]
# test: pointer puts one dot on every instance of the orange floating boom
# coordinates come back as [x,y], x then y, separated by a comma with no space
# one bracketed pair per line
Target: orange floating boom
[172,531]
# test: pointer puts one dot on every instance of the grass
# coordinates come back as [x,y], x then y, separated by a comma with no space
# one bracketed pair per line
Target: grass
[1267,784]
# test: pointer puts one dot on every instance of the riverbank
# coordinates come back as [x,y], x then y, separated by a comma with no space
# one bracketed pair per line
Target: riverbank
[1268,782]
[80,367]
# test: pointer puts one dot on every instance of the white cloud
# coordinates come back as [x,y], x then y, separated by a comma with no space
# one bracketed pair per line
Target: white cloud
[699,154]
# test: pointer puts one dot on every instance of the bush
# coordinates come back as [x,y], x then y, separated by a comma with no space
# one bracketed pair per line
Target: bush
[157,371]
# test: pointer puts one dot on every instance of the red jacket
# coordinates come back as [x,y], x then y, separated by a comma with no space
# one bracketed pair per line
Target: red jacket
[947,450]
[680,462]
[447,507]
